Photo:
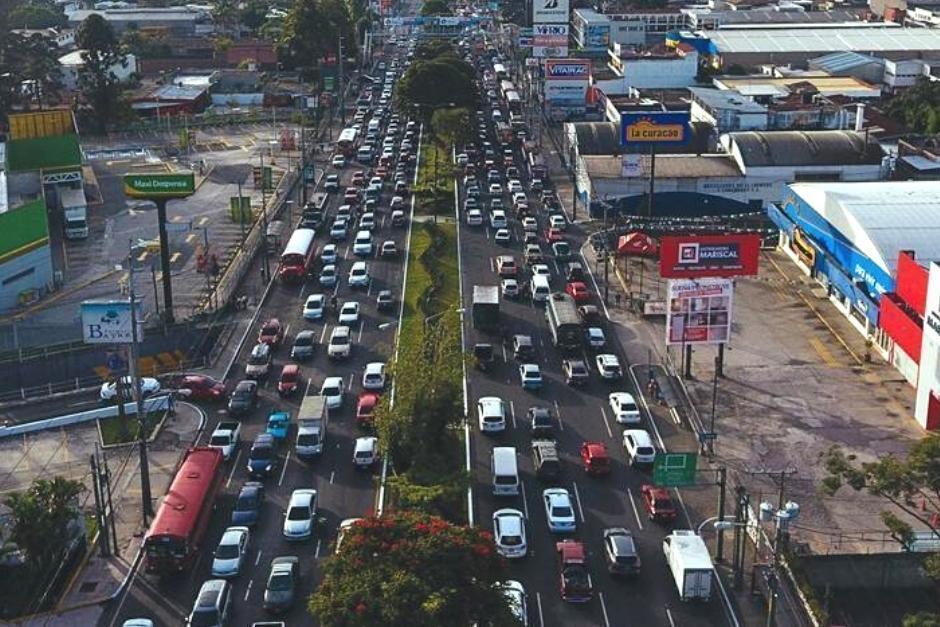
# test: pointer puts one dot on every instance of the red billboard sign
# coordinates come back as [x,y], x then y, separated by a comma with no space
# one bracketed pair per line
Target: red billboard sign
[695,256]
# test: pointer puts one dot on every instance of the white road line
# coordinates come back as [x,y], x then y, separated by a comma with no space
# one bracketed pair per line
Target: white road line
[561,423]
[231,473]
[307,391]
[248,589]
[350,386]
[512,413]
[323,333]
[600,595]
[303,288]
[636,512]
[316,553]
[525,501]
[287,330]
[332,476]
[284,468]
[672,623]
[492,265]
[505,357]
[258,558]
[538,602]
[607,422]
[359,338]
[577,499]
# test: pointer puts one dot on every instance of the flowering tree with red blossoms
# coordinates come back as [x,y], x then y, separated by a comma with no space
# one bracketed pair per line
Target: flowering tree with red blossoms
[411,569]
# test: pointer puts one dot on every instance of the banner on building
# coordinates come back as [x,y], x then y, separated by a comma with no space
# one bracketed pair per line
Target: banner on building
[568,69]
[550,40]
[692,256]
[550,11]
[109,322]
[699,311]
[661,129]
[630,166]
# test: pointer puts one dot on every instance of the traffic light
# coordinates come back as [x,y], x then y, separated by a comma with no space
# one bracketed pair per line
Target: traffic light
[256,173]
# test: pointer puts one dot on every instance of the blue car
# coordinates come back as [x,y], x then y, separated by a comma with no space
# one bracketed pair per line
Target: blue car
[248,505]
[278,425]
[262,458]
[530,375]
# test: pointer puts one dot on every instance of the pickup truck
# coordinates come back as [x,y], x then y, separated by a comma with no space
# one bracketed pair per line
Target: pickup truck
[226,437]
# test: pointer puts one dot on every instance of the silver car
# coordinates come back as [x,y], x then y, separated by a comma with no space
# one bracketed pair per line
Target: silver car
[230,554]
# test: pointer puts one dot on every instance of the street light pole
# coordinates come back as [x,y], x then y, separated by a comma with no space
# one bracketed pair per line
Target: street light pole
[142,431]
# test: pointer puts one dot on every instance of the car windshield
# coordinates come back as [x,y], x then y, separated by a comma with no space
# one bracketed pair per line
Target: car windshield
[204,618]
[644,450]
[298,513]
[219,440]
[246,502]
[576,577]
[562,512]
[261,453]
[257,358]
[227,551]
[303,340]
[242,394]
[308,439]
[511,540]
[269,330]
[628,406]
[280,582]
[331,390]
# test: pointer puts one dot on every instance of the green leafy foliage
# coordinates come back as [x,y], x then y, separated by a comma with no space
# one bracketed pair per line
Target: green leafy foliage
[921,619]
[37,15]
[312,30]
[441,82]
[910,485]
[253,14]
[435,7]
[26,58]
[146,44]
[917,107]
[409,569]
[41,516]
[101,51]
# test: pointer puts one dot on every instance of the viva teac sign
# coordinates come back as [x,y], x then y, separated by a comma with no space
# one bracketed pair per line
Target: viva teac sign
[160,185]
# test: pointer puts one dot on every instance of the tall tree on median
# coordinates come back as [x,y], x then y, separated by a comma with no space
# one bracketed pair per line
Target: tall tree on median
[101,52]
[452,125]
[408,569]
[442,82]
[435,7]
[41,516]
[910,485]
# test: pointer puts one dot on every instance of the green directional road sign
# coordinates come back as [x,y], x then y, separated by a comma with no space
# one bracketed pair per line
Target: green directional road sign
[672,470]
[160,185]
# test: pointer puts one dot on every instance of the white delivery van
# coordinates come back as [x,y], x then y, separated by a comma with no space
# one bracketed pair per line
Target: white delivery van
[505,471]
[540,288]
[690,564]
[74,212]
[311,426]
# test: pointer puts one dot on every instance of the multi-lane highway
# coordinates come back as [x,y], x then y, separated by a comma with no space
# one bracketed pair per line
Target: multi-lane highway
[581,414]
[343,491]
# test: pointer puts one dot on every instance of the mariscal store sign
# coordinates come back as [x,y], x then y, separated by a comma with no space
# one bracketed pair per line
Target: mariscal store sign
[160,185]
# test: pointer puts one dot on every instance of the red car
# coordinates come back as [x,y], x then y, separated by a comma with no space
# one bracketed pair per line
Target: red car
[351,197]
[199,387]
[365,409]
[575,580]
[578,291]
[359,178]
[381,171]
[658,503]
[595,459]
[271,333]
[289,381]
[554,235]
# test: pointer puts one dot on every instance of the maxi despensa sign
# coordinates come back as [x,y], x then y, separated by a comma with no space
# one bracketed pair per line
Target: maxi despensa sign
[160,185]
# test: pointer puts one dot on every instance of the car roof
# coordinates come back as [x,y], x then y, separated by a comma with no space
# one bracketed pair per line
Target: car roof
[302,496]
[246,384]
[232,534]
[358,265]
[332,381]
[304,333]
[366,443]
[596,448]
[251,487]
[557,495]
[510,520]
[622,396]
[316,297]
[264,439]
[375,366]
[642,437]
[607,358]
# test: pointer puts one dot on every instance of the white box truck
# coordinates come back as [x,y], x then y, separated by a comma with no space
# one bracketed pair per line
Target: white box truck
[312,422]
[690,564]
[74,212]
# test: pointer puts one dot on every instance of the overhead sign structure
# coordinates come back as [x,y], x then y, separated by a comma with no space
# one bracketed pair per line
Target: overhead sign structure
[160,185]
[699,311]
[692,256]
[550,11]
[655,129]
[673,470]
[109,322]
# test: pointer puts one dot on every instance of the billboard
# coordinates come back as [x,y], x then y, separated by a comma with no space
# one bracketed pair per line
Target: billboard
[550,40]
[691,256]
[543,52]
[660,129]
[41,124]
[699,311]
[109,322]
[568,91]
[550,11]
[159,185]
[568,69]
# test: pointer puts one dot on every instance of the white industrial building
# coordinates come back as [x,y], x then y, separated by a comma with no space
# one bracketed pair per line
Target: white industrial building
[72,64]
[659,68]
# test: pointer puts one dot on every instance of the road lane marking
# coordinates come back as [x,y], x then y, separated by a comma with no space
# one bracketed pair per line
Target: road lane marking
[202,221]
[607,422]
[190,238]
[323,333]
[538,602]
[525,501]
[307,391]
[258,558]
[175,257]
[332,476]
[284,468]
[316,553]
[577,499]
[350,386]
[238,453]
[672,623]
[359,339]
[287,329]
[823,352]
[512,413]
[248,589]
[600,595]
[561,423]
[636,512]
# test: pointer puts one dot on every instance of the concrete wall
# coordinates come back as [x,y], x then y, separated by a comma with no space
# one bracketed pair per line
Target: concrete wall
[661,73]
[31,271]
[873,571]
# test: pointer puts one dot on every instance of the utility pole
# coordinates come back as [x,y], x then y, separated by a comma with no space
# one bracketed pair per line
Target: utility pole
[264,219]
[103,536]
[606,258]
[720,545]
[342,87]
[711,441]
[164,261]
[742,502]
[142,430]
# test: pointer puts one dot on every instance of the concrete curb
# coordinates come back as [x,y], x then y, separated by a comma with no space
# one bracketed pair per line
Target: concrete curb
[48,397]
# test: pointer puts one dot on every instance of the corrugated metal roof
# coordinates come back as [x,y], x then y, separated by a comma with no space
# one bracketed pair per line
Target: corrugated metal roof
[727,99]
[667,166]
[795,148]
[821,40]
[881,218]
[842,61]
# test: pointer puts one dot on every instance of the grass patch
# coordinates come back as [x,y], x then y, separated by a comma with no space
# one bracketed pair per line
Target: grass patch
[433,283]
[112,433]
[434,192]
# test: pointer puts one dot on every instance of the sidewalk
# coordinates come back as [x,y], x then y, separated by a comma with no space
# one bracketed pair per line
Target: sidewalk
[99,579]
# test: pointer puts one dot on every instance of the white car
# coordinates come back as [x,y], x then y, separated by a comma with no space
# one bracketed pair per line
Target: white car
[558,510]
[359,275]
[339,161]
[301,512]
[330,254]
[463,159]
[624,407]
[515,595]
[496,189]
[541,269]
[498,219]
[514,186]
[230,554]
[519,198]
[331,184]
[313,308]
[349,312]
[510,288]
[639,447]
[491,412]
[474,217]
[340,343]
[509,533]
[332,389]
[608,366]
[367,221]
[373,378]
[502,236]
[148,387]
[595,337]
[530,224]
[366,451]
[362,245]
[556,221]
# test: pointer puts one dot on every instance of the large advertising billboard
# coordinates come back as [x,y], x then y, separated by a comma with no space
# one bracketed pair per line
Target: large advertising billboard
[692,256]
[659,129]
[109,322]
[699,311]
[549,40]
[568,69]
[550,11]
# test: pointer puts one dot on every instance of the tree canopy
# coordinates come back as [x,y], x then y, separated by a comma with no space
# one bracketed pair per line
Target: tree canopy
[253,14]
[312,30]
[37,15]
[412,569]
[27,58]
[917,107]
[435,7]
[100,52]
[444,81]
[41,516]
